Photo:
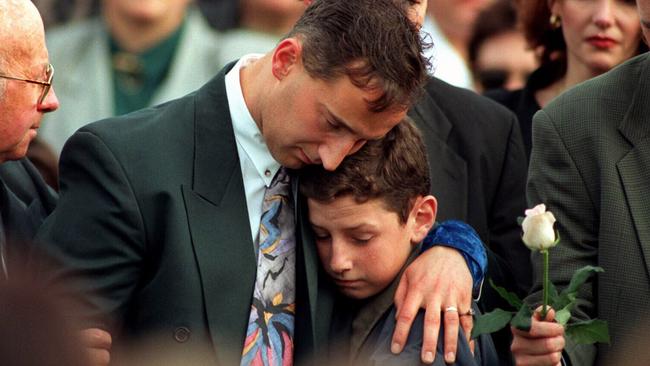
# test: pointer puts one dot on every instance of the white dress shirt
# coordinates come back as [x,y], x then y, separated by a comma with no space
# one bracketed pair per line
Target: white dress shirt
[257,165]
[447,63]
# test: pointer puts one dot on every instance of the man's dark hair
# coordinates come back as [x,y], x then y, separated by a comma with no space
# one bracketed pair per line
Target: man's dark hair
[393,169]
[371,41]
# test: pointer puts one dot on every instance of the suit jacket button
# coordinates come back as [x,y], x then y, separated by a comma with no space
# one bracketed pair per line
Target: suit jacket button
[182,334]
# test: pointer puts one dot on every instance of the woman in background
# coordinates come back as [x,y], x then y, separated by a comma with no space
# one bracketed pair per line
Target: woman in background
[576,40]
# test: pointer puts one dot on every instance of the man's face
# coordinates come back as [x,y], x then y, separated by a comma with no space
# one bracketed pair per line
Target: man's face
[146,11]
[504,61]
[361,246]
[313,121]
[20,112]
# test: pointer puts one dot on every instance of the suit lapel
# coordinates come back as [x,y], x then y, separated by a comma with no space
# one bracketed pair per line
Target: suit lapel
[219,224]
[448,170]
[314,300]
[634,167]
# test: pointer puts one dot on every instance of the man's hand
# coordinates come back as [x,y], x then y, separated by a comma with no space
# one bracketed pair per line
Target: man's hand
[542,345]
[97,343]
[437,280]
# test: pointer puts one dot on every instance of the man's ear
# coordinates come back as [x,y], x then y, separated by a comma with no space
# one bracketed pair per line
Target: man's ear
[286,56]
[307,2]
[423,215]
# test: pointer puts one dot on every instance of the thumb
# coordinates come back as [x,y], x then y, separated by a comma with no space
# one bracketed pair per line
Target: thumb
[550,315]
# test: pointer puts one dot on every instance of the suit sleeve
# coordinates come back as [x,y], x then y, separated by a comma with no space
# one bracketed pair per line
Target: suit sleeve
[94,240]
[555,180]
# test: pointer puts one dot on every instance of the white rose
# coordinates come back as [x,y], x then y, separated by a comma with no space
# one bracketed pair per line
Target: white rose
[538,228]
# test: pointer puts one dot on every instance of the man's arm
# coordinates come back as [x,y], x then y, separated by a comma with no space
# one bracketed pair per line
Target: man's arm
[93,241]
[440,280]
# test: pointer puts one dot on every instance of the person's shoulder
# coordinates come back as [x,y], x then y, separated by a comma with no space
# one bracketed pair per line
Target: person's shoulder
[73,31]
[469,116]
[463,102]
[508,98]
[199,30]
[605,91]
[23,180]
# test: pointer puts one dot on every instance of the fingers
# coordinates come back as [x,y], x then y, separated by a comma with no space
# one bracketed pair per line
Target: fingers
[467,323]
[431,330]
[405,316]
[540,329]
[98,357]
[400,293]
[541,360]
[537,346]
[96,338]
[451,335]
[97,343]
[542,345]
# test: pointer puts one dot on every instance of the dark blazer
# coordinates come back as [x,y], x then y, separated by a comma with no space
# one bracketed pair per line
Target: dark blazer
[153,231]
[478,175]
[590,165]
[25,201]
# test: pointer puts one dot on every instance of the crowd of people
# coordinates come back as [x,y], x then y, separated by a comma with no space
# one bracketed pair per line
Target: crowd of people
[317,181]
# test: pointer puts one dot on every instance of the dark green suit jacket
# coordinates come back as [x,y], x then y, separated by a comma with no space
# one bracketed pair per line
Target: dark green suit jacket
[590,165]
[153,234]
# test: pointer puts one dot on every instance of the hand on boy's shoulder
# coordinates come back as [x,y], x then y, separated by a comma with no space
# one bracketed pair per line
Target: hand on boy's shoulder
[437,280]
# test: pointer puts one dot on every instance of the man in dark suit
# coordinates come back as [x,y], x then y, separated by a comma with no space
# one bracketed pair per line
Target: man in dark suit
[478,169]
[160,209]
[25,95]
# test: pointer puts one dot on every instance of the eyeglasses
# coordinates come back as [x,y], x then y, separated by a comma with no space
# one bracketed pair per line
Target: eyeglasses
[47,85]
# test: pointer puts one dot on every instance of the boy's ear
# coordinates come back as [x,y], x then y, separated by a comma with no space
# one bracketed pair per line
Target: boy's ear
[286,56]
[423,215]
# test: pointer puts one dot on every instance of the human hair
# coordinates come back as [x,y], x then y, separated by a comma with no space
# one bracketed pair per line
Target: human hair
[371,41]
[393,169]
[534,17]
[497,19]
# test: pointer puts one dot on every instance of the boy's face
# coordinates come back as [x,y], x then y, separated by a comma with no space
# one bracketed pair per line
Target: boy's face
[361,246]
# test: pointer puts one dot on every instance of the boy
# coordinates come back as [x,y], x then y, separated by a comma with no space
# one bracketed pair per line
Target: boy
[370,217]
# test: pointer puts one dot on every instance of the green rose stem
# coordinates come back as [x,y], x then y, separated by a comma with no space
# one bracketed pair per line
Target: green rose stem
[545,289]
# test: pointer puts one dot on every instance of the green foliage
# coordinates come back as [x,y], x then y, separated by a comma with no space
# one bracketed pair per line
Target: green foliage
[588,332]
[491,322]
[522,319]
[582,332]
[580,277]
[510,297]
[562,316]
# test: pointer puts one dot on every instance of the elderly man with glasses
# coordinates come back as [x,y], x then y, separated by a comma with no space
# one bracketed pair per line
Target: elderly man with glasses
[26,93]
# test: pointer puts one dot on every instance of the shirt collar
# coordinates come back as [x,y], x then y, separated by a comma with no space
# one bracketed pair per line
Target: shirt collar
[247,133]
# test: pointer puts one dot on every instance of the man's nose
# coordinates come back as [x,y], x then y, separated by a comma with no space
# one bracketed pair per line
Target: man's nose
[334,151]
[50,103]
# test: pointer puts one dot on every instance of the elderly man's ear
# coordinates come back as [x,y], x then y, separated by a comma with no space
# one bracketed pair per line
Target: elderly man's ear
[307,2]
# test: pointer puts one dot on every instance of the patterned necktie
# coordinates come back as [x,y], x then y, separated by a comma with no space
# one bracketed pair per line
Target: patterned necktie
[269,337]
